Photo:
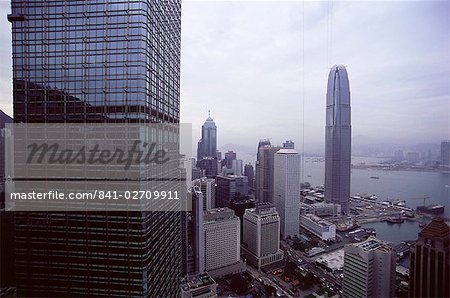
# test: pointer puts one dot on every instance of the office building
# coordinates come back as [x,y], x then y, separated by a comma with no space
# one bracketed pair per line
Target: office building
[369,269]
[209,166]
[321,209]
[445,153]
[222,242]
[289,144]
[207,145]
[231,188]
[85,62]
[236,165]
[229,157]
[250,173]
[265,171]
[198,286]
[320,227]
[286,190]
[7,272]
[208,188]
[195,239]
[338,139]
[261,236]
[413,157]
[429,269]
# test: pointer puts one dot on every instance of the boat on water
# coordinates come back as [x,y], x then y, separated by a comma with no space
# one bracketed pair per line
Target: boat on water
[370,197]
[400,203]
[435,209]
[374,177]
[395,219]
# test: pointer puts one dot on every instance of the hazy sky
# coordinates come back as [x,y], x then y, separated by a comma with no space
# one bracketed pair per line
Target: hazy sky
[244,61]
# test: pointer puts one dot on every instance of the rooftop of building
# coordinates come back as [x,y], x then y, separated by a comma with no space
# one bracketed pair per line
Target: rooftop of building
[333,260]
[436,229]
[318,220]
[263,209]
[218,214]
[373,243]
[287,151]
[196,281]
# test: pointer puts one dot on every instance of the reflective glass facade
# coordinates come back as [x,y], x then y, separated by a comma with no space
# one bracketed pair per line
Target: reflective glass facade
[338,139]
[86,60]
[97,61]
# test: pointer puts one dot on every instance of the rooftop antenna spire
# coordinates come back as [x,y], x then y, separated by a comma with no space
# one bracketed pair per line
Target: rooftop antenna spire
[209,113]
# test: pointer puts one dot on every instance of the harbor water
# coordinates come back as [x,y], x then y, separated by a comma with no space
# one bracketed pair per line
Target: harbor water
[411,186]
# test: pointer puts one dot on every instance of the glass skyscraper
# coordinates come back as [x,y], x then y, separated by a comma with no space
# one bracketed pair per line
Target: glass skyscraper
[100,61]
[207,145]
[338,139]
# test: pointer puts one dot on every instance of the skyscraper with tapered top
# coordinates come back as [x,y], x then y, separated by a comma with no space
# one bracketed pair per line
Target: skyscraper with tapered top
[97,61]
[207,145]
[338,138]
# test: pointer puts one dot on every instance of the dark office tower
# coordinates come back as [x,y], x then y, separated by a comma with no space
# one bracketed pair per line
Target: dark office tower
[231,188]
[429,270]
[97,61]
[207,145]
[338,139]
[195,250]
[445,153]
[229,157]
[250,173]
[209,166]
[289,144]
[264,171]
[7,276]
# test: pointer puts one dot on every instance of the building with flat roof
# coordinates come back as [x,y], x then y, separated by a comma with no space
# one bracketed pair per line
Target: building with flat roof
[208,188]
[222,242]
[231,188]
[445,153]
[198,286]
[286,190]
[320,227]
[97,62]
[264,171]
[369,269]
[321,209]
[333,261]
[261,235]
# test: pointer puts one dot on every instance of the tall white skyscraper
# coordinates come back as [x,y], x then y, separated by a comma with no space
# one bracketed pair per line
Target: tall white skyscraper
[222,242]
[208,188]
[369,269]
[286,190]
[261,235]
[338,139]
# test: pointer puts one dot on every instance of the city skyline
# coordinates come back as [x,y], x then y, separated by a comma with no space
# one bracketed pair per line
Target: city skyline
[416,77]
[291,225]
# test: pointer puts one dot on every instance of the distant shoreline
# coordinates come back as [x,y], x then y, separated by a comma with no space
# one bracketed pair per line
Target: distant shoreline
[398,168]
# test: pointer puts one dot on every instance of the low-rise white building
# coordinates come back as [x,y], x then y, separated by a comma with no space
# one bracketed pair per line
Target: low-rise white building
[321,209]
[320,227]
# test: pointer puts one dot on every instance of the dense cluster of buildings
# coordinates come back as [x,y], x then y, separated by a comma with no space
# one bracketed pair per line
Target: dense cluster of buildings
[68,68]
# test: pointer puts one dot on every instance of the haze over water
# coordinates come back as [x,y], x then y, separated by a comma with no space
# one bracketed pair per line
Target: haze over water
[410,186]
